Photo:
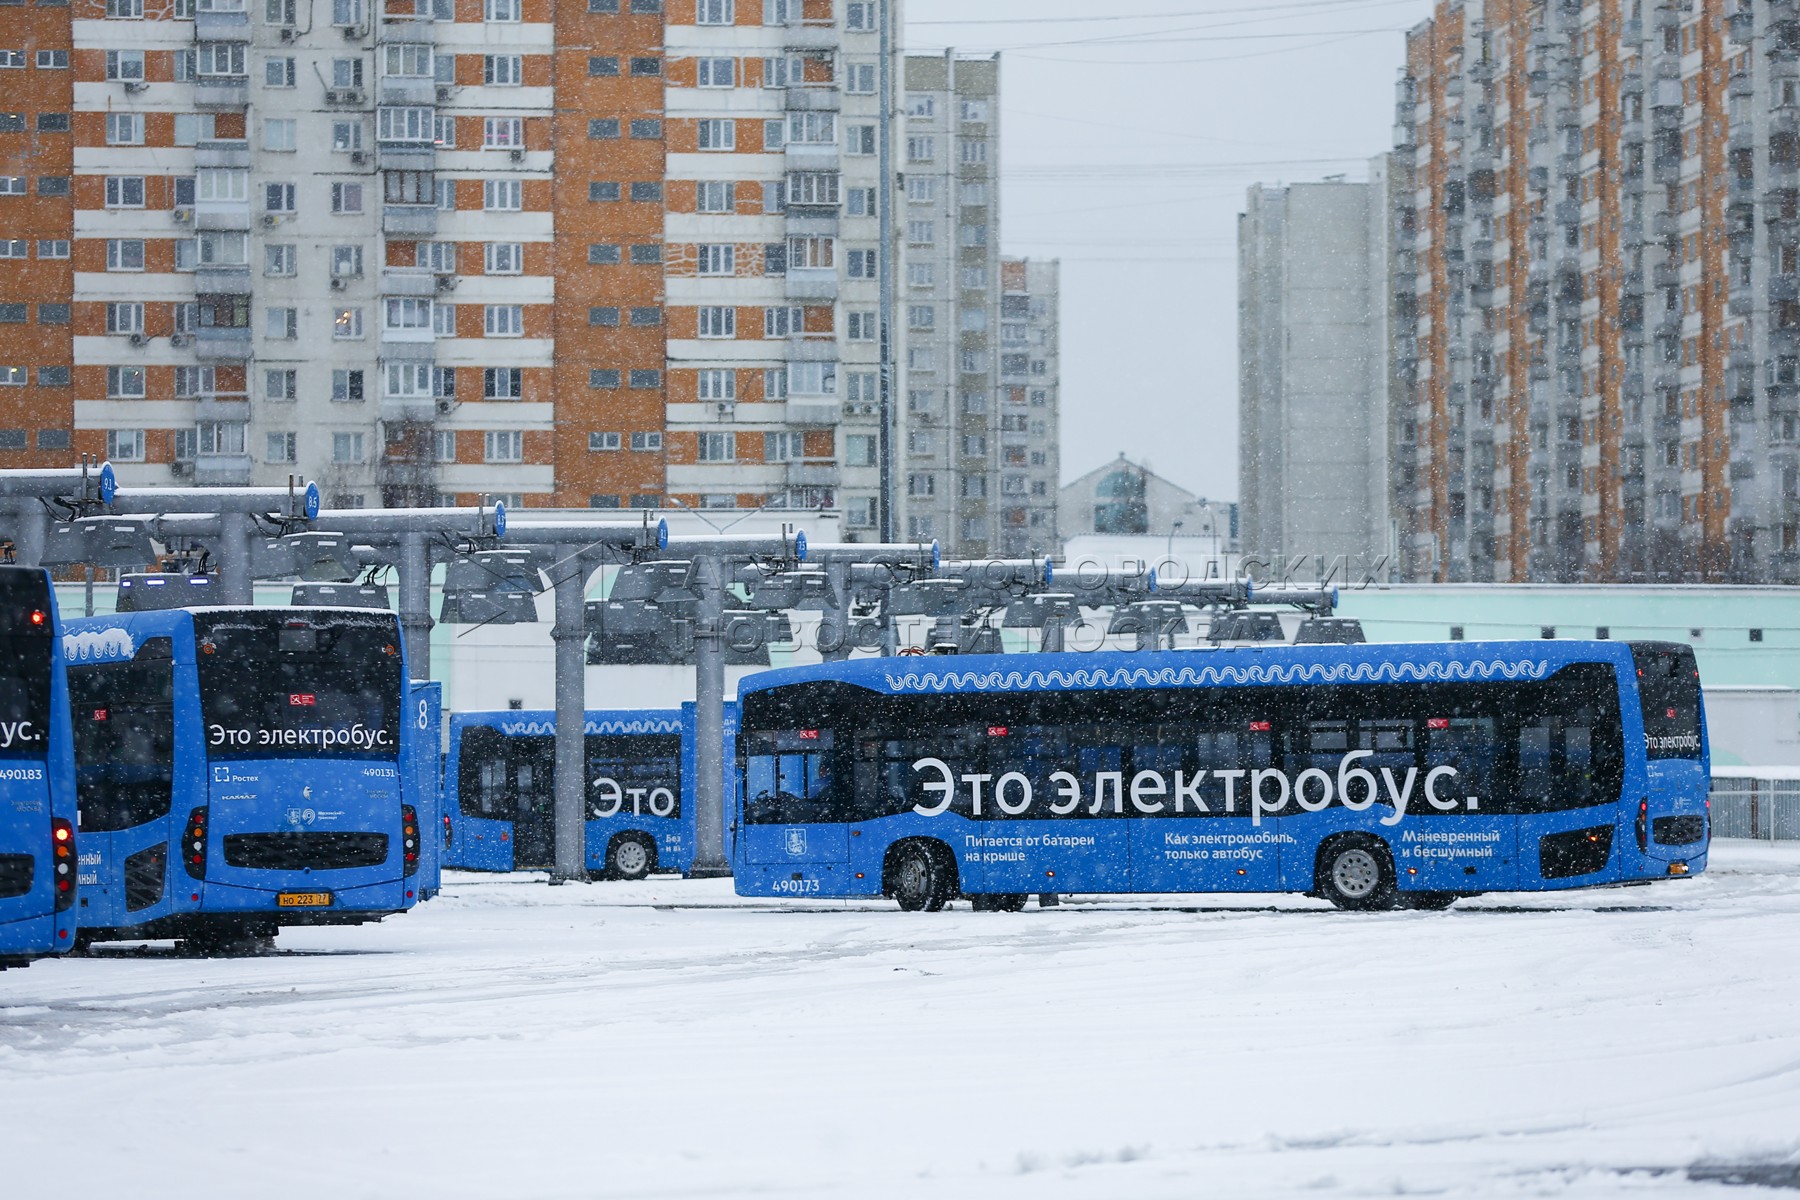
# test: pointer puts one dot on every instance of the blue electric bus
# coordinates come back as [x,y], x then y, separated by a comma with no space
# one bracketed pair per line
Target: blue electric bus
[1374,776]
[500,790]
[243,769]
[37,775]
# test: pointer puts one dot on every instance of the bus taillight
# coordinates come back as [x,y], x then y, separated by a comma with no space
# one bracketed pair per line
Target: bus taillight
[62,841]
[409,842]
[1643,825]
[193,844]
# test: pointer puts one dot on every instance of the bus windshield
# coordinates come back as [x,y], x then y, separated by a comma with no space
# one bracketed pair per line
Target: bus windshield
[26,651]
[287,684]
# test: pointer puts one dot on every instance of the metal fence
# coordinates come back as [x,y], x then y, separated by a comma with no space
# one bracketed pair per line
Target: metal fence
[1765,809]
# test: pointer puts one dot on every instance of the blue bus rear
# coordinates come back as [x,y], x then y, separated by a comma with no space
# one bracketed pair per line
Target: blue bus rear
[500,791]
[240,770]
[38,853]
[1371,775]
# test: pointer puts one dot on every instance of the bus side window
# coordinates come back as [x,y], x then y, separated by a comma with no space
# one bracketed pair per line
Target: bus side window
[1469,745]
[490,798]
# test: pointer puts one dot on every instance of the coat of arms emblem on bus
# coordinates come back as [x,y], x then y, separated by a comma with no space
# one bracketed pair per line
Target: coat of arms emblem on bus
[796,843]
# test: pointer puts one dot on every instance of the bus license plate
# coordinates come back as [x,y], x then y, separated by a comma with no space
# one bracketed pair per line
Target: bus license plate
[303,900]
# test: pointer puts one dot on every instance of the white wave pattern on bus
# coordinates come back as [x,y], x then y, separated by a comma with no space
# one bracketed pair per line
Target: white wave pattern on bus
[97,645]
[1210,675]
[548,728]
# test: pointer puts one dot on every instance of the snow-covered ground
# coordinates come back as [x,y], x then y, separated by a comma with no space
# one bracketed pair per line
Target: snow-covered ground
[667,1039]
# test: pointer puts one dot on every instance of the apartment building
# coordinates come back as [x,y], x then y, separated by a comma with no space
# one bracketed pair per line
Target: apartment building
[571,252]
[951,295]
[1598,333]
[1029,511]
[1313,375]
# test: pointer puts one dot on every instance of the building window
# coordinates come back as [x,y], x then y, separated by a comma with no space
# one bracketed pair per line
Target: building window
[718,447]
[347,324]
[502,195]
[718,133]
[281,448]
[718,384]
[279,134]
[503,383]
[717,260]
[646,377]
[125,317]
[124,129]
[603,128]
[504,446]
[646,254]
[125,383]
[859,79]
[863,264]
[443,445]
[859,450]
[282,323]
[782,322]
[716,72]
[504,258]
[603,378]
[601,442]
[503,133]
[347,386]
[775,383]
[125,445]
[861,326]
[346,447]
[127,65]
[717,321]
[647,68]
[714,196]
[124,254]
[505,320]
[603,66]
[714,12]
[604,316]
[647,442]
[502,70]
[502,10]
[281,385]
[646,316]
[859,140]
[347,198]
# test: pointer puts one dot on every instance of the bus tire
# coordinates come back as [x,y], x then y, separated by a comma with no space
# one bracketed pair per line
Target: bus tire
[1355,873]
[630,856]
[1429,901]
[999,902]
[919,877]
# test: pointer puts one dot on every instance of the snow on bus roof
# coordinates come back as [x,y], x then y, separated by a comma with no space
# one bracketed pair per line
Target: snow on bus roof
[1374,662]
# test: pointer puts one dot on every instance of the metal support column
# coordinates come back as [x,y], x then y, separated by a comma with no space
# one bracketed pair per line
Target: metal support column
[236,531]
[30,529]
[837,585]
[415,603]
[709,719]
[570,636]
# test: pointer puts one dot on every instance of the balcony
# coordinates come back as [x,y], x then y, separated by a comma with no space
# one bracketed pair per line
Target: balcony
[810,156]
[222,92]
[408,281]
[812,283]
[814,98]
[408,409]
[405,29]
[230,217]
[812,473]
[222,26]
[222,470]
[813,410]
[222,152]
[406,156]
[223,406]
[222,281]
[415,220]
[408,89]
[810,35]
[223,343]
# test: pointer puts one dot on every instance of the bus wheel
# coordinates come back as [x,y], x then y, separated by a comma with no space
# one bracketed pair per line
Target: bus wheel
[630,857]
[1429,901]
[917,880]
[1355,874]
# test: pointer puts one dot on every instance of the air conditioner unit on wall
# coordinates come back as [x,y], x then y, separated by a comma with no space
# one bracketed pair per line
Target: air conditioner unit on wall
[446,283]
[181,339]
[136,85]
[445,404]
[359,157]
[181,216]
[138,339]
[288,35]
[337,284]
[181,468]
[445,91]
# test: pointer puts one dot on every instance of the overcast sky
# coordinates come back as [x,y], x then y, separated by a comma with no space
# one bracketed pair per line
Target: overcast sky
[1130,132]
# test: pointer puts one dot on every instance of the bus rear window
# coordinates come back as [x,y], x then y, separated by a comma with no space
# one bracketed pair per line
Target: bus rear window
[1669,693]
[278,685]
